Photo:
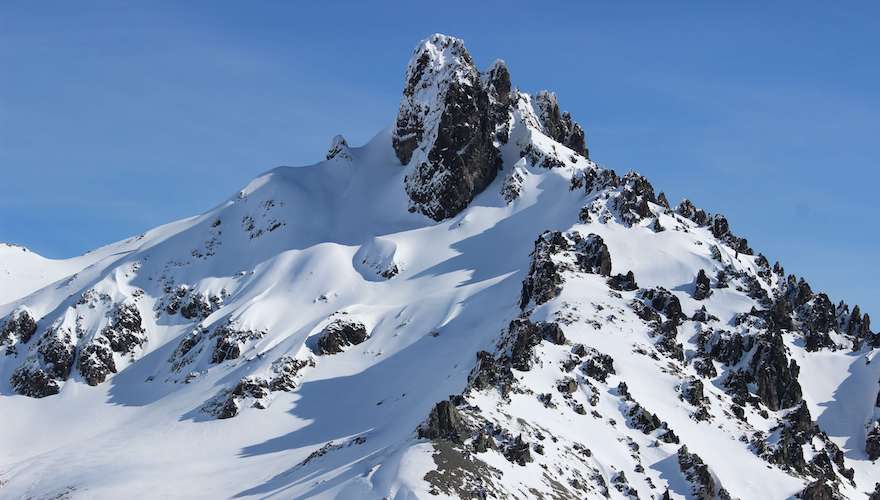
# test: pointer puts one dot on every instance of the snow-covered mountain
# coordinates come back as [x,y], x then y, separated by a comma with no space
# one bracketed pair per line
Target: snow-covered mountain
[467,306]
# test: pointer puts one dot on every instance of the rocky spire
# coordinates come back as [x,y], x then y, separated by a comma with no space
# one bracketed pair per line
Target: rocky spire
[560,126]
[446,127]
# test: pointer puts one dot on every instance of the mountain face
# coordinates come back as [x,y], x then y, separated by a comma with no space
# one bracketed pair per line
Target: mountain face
[465,307]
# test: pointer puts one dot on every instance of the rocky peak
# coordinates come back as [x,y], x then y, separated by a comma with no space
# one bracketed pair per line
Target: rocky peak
[338,149]
[559,125]
[446,127]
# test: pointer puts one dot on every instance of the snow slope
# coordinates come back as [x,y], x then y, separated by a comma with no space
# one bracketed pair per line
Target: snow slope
[225,383]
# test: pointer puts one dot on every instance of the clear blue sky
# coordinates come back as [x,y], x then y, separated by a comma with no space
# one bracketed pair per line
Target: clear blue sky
[119,116]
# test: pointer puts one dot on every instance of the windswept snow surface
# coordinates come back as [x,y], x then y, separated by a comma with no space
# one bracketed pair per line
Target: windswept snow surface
[267,270]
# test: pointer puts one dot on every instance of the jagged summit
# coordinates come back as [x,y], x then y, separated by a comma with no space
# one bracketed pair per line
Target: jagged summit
[465,307]
[453,120]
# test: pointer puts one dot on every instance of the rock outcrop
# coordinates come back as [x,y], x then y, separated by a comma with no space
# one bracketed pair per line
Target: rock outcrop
[18,328]
[340,334]
[702,287]
[444,422]
[447,126]
[560,126]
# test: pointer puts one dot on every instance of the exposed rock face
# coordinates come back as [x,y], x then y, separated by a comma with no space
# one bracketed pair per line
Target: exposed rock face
[703,483]
[597,365]
[663,301]
[559,125]
[96,361]
[702,288]
[633,202]
[497,84]
[444,422]
[447,125]
[338,149]
[776,377]
[339,334]
[230,341]
[247,388]
[38,376]
[519,451]
[125,331]
[592,254]
[287,371]
[623,282]
[525,335]
[19,328]
[57,350]
[687,210]
[872,442]
[491,372]
[33,382]
[197,306]
[647,422]
[544,280]
[819,490]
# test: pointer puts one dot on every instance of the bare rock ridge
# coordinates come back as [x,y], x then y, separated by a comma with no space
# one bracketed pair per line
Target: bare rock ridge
[451,122]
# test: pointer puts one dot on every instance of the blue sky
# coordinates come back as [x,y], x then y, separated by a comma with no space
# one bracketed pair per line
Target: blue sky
[119,116]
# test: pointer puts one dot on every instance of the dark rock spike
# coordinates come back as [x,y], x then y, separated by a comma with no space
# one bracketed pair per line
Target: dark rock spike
[444,422]
[449,142]
[560,126]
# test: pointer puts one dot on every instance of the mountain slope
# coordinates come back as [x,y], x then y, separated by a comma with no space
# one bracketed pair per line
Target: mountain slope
[446,311]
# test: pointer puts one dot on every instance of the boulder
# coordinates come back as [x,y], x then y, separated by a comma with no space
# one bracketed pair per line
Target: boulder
[340,334]
[623,282]
[702,287]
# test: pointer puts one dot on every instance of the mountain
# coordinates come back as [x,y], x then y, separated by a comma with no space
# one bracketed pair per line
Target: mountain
[467,306]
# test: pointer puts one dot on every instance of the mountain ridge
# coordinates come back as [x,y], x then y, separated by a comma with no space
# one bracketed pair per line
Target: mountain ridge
[382,326]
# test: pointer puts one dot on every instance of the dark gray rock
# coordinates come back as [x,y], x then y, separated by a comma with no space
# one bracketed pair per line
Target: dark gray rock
[248,387]
[483,442]
[872,442]
[287,370]
[491,372]
[701,315]
[544,281]
[592,254]
[19,327]
[597,365]
[703,484]
[445,128]
[819,490]
[518,451]
[230,341]
[567,385]
[339,334]
[687,210]
[560,126]
[57,349]
[702,286]
[632,204]
[776,377]
[623,282]
[33,382]
[125,332]
[444,422]
[96,361]
[665,302]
